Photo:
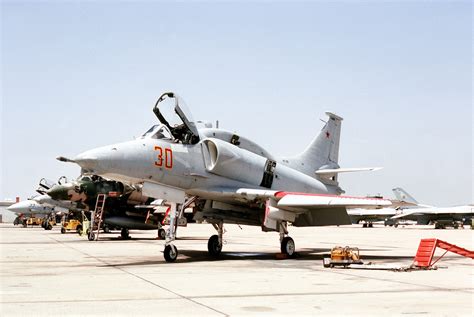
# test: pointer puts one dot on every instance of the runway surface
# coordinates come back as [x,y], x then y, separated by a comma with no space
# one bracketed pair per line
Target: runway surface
[46,273]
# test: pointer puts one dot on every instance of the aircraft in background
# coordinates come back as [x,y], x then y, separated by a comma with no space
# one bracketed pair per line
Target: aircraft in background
[42,206]
[439,216]
[125,206]
[229,178]
[369,216]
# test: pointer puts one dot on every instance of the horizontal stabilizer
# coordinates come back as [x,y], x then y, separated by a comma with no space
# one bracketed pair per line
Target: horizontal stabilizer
[333,171]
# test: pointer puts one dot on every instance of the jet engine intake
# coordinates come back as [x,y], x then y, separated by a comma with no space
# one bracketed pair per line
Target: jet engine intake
[228,160]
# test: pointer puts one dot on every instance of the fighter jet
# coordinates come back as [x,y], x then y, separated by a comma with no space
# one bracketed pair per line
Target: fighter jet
[120,211]
[369,216]
[230,178]
[439,216]
[41,205]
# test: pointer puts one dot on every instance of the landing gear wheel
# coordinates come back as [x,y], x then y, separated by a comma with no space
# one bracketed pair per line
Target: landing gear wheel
[288,246]
[79,230]
[63,230]
[48,227]
[91,236]
[213,245]
[371,225]
[364,225]
[170,253]
[162,234]
[124,233]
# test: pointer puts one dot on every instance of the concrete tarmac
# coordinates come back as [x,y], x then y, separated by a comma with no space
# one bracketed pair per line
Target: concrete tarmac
[46,273]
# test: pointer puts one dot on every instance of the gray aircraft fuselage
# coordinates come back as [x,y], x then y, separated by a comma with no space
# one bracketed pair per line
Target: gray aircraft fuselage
[183,166]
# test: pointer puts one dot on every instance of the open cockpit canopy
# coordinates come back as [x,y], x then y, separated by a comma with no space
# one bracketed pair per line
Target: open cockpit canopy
[173,113]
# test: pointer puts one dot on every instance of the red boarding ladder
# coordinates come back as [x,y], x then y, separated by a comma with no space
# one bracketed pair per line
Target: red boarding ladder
[427,248]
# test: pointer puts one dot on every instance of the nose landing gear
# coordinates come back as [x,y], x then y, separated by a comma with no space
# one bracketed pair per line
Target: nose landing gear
[170,253]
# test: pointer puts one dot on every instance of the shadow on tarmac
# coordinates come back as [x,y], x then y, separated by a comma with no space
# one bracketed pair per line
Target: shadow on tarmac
[191,256]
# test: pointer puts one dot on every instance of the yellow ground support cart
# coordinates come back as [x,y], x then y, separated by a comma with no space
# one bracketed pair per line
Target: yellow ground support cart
[71,224]
[342,256]
[33,221]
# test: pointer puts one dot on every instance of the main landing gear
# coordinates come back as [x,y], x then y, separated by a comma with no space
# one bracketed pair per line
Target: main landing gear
[214,245]
[125,234]
[287,244]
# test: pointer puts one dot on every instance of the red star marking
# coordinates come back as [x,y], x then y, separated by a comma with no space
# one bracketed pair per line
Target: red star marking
[328,134]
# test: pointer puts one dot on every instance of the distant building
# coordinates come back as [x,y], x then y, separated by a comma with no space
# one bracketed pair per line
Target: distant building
[6,215]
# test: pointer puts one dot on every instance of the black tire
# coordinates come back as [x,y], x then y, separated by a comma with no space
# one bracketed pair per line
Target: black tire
[371,225]
[79,230]
[162,234]
[288,246]
[364,225]
[48,227]
[170,253]
[125,234]
[63,230]
[213,246]
[91,236]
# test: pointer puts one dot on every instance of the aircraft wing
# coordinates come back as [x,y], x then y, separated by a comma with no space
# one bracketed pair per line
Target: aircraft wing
[302,209]
[436,211]
[405,214]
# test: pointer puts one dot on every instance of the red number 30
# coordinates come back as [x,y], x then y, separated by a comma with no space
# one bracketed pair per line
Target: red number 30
[168,157]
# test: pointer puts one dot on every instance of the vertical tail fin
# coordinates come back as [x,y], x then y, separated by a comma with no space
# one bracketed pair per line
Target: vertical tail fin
[323,151]
[402,195]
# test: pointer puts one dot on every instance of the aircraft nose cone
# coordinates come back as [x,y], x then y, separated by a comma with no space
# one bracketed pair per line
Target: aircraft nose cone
[58,192]
[18,208]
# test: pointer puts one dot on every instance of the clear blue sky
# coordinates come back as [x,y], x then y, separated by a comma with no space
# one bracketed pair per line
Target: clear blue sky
[77,75]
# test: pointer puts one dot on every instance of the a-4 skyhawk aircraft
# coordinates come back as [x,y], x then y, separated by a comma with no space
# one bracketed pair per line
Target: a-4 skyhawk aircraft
[439,216]
[229,178]
[41,205]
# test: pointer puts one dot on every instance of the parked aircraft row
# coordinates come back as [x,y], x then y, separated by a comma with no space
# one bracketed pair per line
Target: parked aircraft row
[224,177]
[413,211]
